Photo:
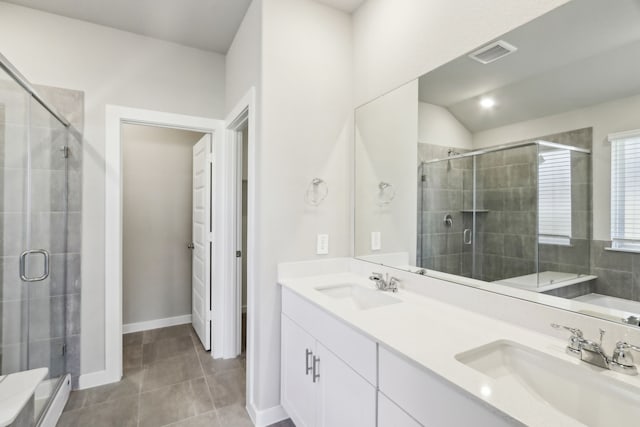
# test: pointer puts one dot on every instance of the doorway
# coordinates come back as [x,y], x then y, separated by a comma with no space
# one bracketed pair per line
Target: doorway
[158,175]
[225,294]
[242,210]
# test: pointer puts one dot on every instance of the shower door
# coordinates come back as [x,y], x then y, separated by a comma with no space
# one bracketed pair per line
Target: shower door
[446,215]
[33,173]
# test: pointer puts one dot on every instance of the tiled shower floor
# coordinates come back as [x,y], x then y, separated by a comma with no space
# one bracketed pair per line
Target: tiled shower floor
[168,381]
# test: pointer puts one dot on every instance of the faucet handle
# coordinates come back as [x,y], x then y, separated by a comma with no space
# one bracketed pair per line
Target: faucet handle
[574,348]
[575,331]
[375,276]
[622,359]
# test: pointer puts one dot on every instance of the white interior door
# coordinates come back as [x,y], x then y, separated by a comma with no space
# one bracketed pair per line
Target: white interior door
[201,259]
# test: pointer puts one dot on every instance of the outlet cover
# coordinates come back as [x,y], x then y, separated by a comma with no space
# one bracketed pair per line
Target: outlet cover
[322,244]
[376,241]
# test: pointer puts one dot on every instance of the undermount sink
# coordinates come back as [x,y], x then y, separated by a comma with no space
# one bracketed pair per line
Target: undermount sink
[358,297]
[578,391]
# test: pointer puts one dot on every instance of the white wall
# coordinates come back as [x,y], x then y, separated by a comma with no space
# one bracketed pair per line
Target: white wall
[157,172]
[436,125]
[244,58]
[306,133]
[399,40]
[297,53]
[606,118]
[111,67]
[386,151]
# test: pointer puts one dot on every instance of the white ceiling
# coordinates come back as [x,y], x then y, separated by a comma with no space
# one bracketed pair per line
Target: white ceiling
[583,53]
[203,24]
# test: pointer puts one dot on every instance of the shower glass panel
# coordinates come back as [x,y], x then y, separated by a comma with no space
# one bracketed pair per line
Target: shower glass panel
[506,208]
[564,214]
[445,220]
[517,215]
[33,170]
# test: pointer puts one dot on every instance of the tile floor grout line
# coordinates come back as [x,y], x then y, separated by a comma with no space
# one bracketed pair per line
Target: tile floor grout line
[142,372]
[206,381]
[173,423]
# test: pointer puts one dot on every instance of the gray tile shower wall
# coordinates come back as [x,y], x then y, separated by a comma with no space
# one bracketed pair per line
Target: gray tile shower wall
[506,184]
[70,104]
[441,192]
[618,272]
[506,200]
[43,316]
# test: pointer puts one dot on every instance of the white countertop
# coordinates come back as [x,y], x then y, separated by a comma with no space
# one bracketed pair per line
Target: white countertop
[16,390]
[432,333]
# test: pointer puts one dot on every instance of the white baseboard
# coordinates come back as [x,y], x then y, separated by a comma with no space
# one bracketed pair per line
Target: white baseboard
[155,324]
[94,379]
[267,416]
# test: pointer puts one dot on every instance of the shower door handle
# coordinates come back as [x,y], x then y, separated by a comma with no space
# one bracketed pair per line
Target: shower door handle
[23,265]
[466,236]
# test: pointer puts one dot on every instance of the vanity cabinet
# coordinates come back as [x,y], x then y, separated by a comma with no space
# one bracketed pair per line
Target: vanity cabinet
[328,369]
[319,389]
[391,415]
[334,376]
[429,399]
[298,388]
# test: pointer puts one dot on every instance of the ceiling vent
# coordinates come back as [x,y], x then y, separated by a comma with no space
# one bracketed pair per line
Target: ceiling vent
[493,52]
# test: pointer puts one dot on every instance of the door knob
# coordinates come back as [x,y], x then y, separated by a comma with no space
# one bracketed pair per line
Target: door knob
[191,246]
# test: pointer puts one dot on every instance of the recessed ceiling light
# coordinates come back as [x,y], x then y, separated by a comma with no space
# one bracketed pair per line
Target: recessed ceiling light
[487,102]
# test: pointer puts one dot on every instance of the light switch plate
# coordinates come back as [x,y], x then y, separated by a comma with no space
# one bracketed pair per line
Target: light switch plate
[376,241]
[322,247]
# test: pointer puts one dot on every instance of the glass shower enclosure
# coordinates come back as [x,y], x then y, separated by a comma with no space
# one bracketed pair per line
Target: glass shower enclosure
[34,239]
[518,214]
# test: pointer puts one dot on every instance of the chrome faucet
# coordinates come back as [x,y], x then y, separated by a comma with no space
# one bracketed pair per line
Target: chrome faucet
[592,352]
[386,283]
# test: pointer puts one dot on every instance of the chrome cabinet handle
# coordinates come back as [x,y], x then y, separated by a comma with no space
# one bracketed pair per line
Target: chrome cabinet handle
[23,265]
[307,353]
[466,236]
[316,368]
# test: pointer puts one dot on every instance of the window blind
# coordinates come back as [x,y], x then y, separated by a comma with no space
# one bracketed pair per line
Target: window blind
[625,191]
[554,197]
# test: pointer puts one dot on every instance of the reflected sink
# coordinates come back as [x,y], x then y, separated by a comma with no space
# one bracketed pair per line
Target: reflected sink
[358,297]
[578,391]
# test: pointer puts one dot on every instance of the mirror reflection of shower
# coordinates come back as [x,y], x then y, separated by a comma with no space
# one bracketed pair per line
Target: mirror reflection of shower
[511,214]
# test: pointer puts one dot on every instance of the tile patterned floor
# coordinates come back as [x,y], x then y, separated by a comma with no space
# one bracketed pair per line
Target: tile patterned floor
[168,381]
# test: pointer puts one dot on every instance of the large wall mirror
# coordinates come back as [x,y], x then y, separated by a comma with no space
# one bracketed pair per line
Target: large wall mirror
[515,167]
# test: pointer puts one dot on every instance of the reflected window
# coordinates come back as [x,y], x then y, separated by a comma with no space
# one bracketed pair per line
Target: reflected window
[554,197]
[625,190]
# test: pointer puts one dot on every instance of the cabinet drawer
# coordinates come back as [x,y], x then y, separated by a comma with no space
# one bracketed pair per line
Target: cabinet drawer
[358,351]
[431,400]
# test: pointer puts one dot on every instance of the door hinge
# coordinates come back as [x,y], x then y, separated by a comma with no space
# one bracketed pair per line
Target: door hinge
[64,349]
[210,237]
[65,152]
[209,316]
[210,157]
[238,254]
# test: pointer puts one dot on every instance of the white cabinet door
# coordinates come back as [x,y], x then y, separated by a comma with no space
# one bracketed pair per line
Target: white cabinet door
[390,415]
[345,398]
[298,389]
